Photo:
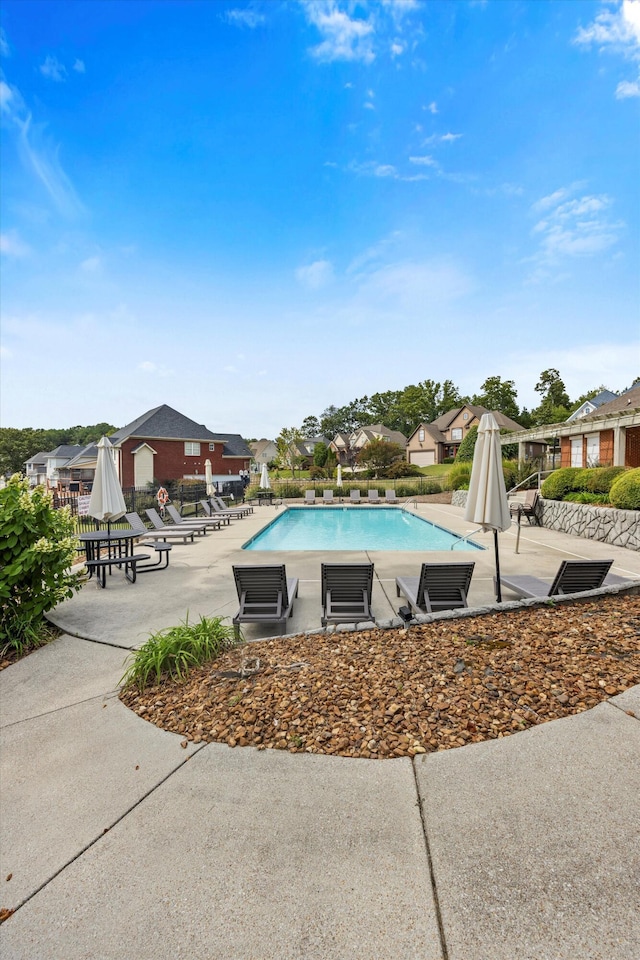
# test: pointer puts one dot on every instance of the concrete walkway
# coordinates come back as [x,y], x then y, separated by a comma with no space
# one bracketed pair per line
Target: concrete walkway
[119,842]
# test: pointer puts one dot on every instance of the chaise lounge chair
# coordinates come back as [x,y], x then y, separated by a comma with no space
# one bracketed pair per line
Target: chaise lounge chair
[327,496]
[310,496]
[527,508]
[235,513]
[211,523]
[168,534]
[244,508]
[354,496]
[390,496]
[373,497]
[209,514]
[573,576]
[346,592]
[265,595]
[159,524]
[440,586]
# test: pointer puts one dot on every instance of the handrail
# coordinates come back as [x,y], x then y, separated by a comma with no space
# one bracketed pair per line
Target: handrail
[539,474]
[464,537]
[407,502]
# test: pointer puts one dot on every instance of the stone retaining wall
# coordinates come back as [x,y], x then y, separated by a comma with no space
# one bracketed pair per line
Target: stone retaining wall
[618,527]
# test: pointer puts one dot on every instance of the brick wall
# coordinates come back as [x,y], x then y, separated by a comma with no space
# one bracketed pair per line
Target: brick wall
[606,448]
[170,462]
[632,447]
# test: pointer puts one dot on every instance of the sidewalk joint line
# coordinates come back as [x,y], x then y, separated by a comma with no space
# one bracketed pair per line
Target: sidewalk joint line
[432,876]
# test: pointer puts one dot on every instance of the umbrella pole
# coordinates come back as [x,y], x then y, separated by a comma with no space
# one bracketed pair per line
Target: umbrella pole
[518,533]
[498,589]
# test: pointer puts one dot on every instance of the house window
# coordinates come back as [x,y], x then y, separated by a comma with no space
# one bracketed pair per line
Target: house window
[421,436]
[191,449]
[456,433]
[593,450]
[212,446]
[465,416]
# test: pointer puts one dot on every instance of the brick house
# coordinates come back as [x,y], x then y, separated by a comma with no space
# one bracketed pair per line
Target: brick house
[609,436]
[163,445]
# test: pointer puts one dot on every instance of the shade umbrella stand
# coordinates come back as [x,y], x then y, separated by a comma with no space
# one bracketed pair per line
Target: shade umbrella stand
[264,478]
[208,478]
[487,503]
[107,501]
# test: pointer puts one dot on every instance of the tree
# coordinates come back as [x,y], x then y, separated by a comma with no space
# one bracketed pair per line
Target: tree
[555,399]
[377,455]
[320,453]
[310,427]
[288,456]
[498,394]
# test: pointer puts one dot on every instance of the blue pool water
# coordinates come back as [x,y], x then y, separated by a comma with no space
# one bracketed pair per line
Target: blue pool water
[354,528]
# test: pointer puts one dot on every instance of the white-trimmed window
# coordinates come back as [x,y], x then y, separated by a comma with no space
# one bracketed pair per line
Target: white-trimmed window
[456,434]
[421,436]
[212,446]
[465,416]
[191,449]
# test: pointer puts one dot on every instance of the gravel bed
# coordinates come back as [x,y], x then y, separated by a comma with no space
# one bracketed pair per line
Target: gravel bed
[396,693]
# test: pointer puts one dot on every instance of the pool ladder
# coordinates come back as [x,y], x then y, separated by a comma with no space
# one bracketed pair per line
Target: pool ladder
[463,539]
[411,500]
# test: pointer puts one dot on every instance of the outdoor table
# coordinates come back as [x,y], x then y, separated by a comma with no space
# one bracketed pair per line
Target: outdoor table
[265,498]
[118,543]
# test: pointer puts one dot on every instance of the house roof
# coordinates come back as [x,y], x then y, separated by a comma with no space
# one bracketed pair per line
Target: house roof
[38,457]
[165,423]
[442,423]
[373,431]
[88,454]
[259,446]
[627,401]
[65,450]
[432,430]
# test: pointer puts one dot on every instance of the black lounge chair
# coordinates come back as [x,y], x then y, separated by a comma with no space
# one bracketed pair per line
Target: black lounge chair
[346,592]
[169,533]
[265,595]
[573,576]
[440,586]
[527,508]
[159,524]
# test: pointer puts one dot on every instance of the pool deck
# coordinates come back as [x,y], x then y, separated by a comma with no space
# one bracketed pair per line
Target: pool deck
[199,580]
[122,840]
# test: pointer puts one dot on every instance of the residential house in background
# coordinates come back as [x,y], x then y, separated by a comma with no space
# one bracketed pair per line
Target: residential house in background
[609,436]
[590,406]
[54,470]
[304,450]
[262,451]
[436,442]
[347,446]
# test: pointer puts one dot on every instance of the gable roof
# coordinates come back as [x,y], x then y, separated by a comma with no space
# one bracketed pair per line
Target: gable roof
[627,401]
[38,457]
[165,423]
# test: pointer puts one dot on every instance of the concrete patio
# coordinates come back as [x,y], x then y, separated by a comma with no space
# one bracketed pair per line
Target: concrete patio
[121,840]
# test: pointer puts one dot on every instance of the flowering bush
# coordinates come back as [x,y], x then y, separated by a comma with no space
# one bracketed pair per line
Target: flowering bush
[37,548]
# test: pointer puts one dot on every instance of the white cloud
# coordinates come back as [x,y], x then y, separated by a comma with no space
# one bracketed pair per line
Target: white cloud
[7,97]
[398,47]
[368,105]
[424,161]
[557,196]
[157,369]
[12,246]
[344,38]
[315,275]
[79,66]
[432,108]
[618,31]
[441,138]
[91,265]
[4,44]
[627,89]
[53,69]
[244,17]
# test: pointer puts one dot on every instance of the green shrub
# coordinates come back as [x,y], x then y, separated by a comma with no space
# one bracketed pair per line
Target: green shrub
[602,478]
[37,548]
[510,472]
[559,483]
[583,496]
[402,469]
[459,476]
[173,652]
[449,460]
[625,490]
[289,491]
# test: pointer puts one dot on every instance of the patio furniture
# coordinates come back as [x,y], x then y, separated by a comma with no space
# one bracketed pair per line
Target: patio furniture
[163,549]
[440,586]
[310,496]
[159,524]
[390,496]
[573,576]
[209,514]
[236,513]
[212,523]
[373,497]
[245,508]
[346,592]
[169,533]
[527,508]
[327,496]
[354,496]
[266,595]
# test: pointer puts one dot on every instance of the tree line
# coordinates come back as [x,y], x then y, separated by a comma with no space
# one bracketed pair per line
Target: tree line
[17,446]
[424,402]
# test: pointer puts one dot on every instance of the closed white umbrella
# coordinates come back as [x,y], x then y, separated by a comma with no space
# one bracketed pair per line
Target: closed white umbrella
[208,478]
[107,502]
[487,502]
[264,478]
[339,476]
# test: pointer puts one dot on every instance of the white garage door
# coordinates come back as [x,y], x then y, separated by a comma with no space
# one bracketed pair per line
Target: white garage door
[423,458]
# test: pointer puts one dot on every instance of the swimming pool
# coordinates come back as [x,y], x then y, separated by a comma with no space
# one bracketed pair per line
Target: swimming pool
[354,528]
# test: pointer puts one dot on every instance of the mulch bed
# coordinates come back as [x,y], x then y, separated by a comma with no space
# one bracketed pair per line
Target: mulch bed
[397,693]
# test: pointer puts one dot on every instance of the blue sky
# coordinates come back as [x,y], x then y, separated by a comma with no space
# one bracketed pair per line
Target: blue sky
[250,211]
